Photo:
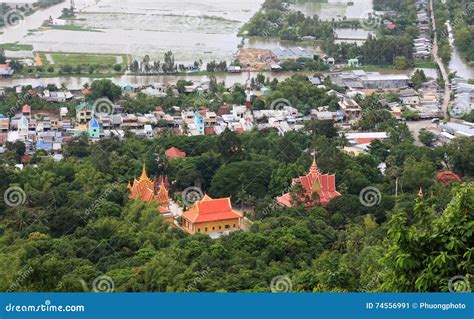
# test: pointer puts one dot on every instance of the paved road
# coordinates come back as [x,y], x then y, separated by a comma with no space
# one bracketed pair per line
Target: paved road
[416,126]
[444,73]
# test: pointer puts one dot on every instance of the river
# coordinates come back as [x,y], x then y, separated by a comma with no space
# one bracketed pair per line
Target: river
[457,64]
[72,82]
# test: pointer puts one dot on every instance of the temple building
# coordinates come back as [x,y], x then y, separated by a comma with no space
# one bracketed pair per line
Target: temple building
[175,152]
[148,191]
[212,216]
[447,178]
[314,185]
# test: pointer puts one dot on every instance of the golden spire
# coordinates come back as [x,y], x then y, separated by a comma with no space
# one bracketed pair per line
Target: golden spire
[420,193]
[314,165]
[144,176]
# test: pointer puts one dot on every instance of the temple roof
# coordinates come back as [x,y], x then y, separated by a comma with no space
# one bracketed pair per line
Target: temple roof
[144,189]
[174,152]
[324,185]
[209,210]
[447,177]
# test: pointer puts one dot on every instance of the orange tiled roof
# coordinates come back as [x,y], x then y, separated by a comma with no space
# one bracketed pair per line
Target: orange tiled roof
[144,189]
[209,210]
[447,177]
[314,182]
[26,109]
[174,152]
[366,140]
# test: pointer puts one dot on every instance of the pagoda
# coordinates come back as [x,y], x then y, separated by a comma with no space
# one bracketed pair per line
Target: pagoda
[314,184]
[146,190]
[212,216]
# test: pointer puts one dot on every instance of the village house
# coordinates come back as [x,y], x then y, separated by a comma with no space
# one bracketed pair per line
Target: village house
[84,113]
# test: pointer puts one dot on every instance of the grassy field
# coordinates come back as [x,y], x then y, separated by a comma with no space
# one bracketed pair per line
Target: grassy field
[73,28]
[85,59]
[77,64]
[16,47]
[425,64]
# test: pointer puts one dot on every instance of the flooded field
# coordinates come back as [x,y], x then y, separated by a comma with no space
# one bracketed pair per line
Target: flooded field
[335,9]
[192,29]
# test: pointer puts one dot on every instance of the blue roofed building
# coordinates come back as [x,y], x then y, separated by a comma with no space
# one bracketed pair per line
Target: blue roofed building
[94,128]
[199,122]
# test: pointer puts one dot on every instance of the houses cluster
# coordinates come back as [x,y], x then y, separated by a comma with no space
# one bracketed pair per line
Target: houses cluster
[44,130]
[422,44]
[6,71]
[464,97]
[425,102]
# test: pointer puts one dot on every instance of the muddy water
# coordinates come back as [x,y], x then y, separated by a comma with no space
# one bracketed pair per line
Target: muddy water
[138,80]
[457,64]
[192,29]
[335,9]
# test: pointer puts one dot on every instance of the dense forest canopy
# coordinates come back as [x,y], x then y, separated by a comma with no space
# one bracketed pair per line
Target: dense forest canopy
[78,223]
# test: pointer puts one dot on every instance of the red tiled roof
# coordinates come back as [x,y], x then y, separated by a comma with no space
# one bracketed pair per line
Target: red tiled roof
[209,131]
[174,152]
[86,91]
[26,109]
[158,108]
[365,140]
[26,159]
[447,177]
[208,210]
[314,182]
[391,26]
